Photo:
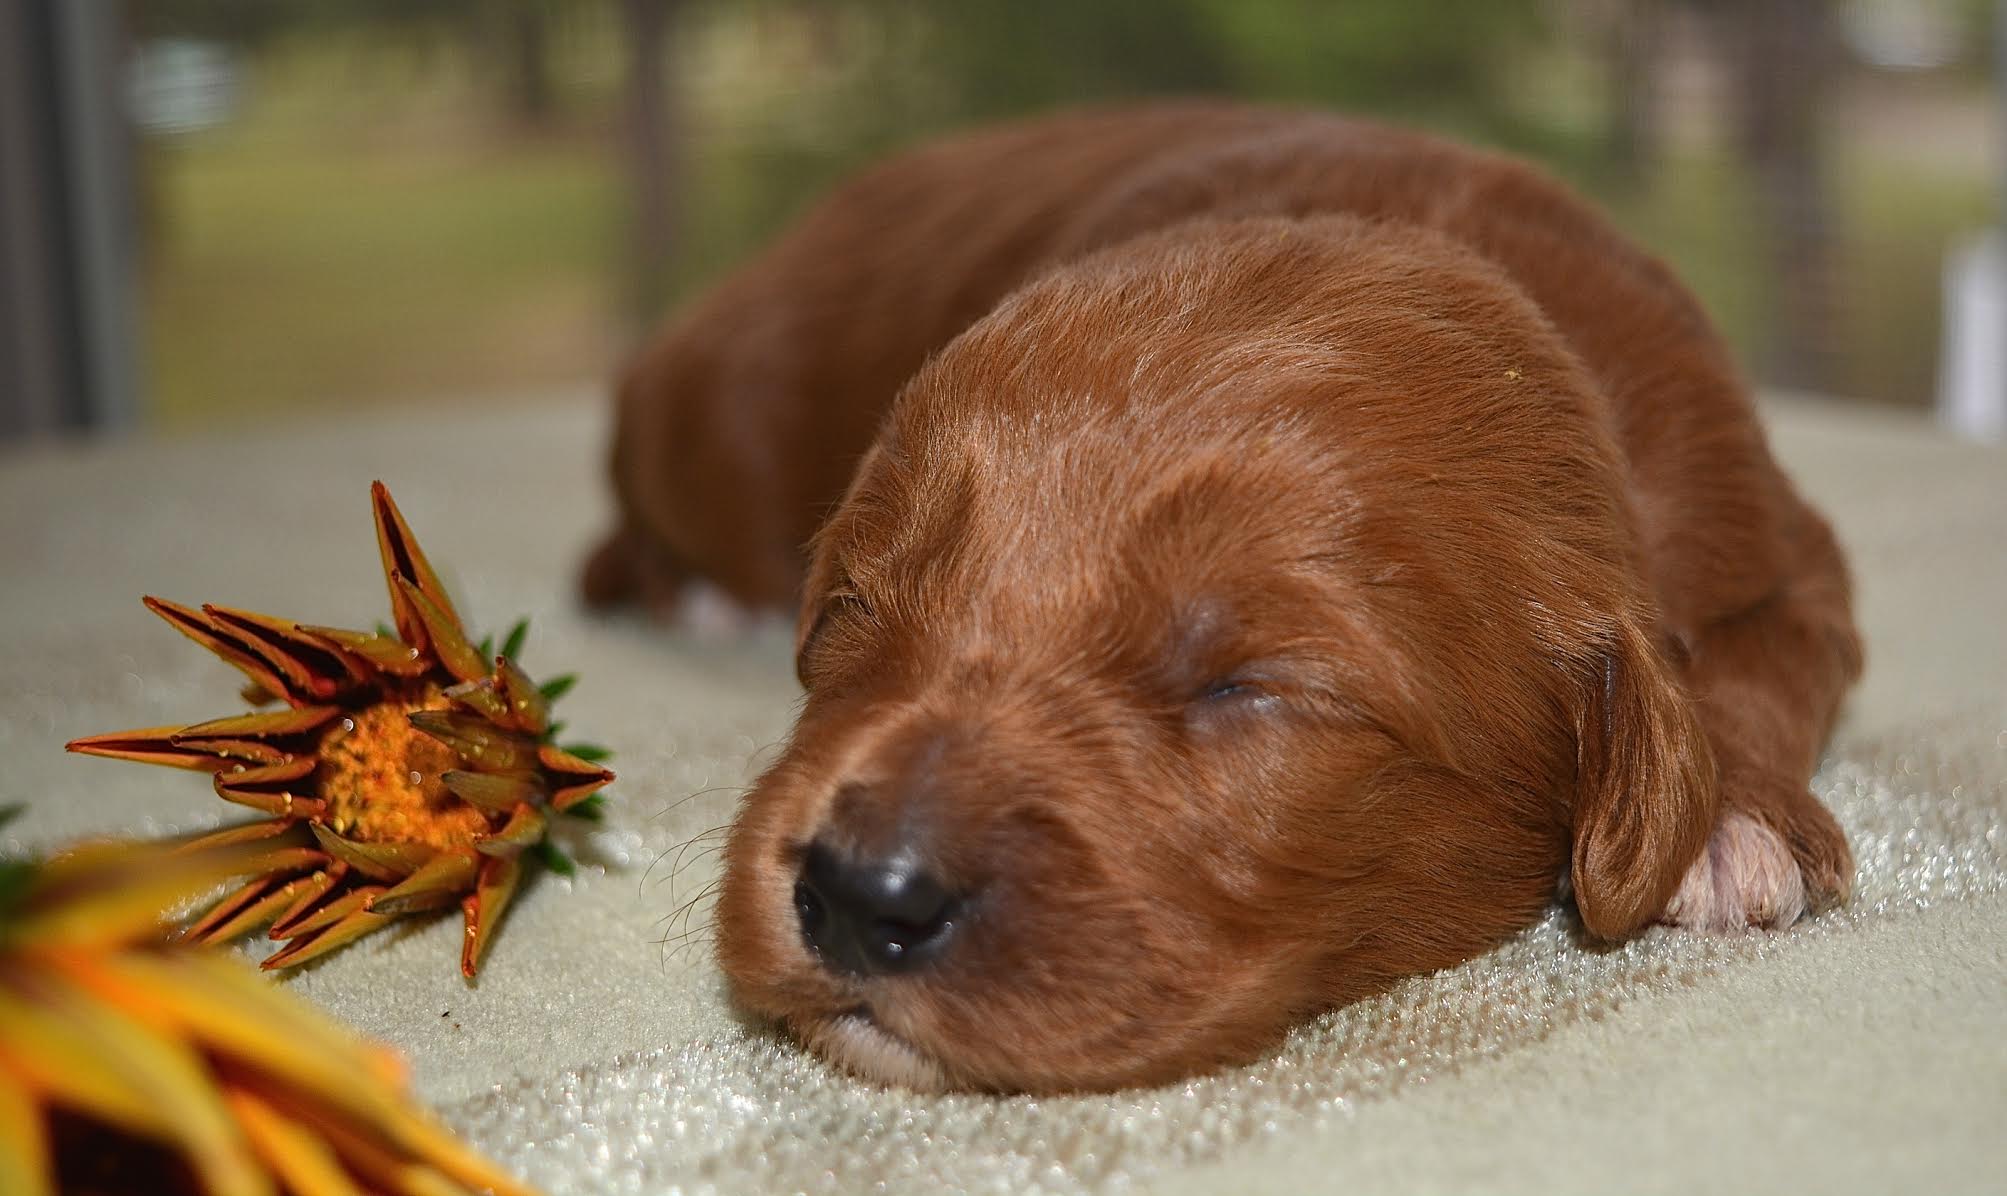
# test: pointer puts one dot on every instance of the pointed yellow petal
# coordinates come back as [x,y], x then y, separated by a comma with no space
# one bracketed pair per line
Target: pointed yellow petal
[24,1147]
[255,831]
[449,643]
[429,1141]
[495,792]
[389,862]
[373,1160]
[301,1160]
[200,627]
[386,653]
[524,828]
[478,741]
[449,872]
[226,910]
[240,1013]
[401,555]
[342,933]
[89,906]
[483,911]
[219,1004]
[232,1012]
[147,745]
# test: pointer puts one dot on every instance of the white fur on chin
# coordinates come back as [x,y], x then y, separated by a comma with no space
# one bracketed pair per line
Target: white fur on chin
[857,1044]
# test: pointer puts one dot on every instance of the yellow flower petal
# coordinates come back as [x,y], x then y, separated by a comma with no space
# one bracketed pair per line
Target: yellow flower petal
[302,1160]
[482,911]
[170,1077]
[402,556]
[24,1145]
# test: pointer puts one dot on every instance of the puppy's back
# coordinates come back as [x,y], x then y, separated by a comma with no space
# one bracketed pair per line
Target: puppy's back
[771,388]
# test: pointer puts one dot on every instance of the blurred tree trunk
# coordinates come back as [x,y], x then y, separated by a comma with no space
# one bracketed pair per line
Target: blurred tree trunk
[1636,33]
[651,154]
[513,40]
[1781,56]
[526,28]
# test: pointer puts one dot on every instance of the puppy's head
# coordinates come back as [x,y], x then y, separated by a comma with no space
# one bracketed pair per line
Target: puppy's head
[1179,663]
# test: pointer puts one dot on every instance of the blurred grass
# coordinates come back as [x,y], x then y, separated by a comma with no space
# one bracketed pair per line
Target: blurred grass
[295,263]
[369,231]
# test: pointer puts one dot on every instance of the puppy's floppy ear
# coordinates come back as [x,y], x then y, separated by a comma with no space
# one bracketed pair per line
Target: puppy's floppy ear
[1646,792]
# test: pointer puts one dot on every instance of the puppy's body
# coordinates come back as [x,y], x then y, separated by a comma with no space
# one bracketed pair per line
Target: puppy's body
[1339,537]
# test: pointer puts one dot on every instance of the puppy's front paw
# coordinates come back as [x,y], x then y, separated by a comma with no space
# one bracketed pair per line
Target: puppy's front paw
[707,612]
[1747,876]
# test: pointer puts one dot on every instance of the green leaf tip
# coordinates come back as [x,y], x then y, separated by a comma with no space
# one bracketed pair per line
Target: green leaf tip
[512,644]
[592,809]
[553,858]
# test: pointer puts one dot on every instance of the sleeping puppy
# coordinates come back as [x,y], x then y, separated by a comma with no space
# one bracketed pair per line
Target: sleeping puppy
[1308,545]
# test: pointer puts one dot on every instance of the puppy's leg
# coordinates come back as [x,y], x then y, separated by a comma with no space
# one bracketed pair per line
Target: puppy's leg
[1768,682]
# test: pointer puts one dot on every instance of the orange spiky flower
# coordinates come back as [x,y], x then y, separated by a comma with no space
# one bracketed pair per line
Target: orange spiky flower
[404,774]
[129,1065]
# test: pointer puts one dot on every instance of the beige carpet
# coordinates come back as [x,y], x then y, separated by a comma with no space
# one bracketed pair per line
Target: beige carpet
[1865,1051]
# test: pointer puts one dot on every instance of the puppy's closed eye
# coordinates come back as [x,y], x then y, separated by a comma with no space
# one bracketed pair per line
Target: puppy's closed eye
[841,607]
[1232,699]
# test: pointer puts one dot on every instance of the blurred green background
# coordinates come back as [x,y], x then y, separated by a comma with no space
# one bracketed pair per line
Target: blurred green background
[348,202]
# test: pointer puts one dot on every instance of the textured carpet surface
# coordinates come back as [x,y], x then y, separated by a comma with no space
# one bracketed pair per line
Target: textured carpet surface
[1865,1050]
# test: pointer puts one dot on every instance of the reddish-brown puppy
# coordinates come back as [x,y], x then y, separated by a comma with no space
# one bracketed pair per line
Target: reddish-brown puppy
[1343,538]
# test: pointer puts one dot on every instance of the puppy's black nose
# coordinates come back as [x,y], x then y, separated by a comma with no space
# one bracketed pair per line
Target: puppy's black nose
[871,917]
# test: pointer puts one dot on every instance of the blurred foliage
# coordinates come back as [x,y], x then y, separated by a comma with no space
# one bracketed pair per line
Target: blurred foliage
[426,196]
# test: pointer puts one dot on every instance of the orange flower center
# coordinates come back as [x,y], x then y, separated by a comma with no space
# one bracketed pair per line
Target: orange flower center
[380,777]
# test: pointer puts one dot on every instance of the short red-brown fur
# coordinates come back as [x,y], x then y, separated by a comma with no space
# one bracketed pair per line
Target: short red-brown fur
[1468,480]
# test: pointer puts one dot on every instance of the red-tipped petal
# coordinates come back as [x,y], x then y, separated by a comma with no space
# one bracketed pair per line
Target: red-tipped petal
[149,745]
[200,627]
[483,910]
[527,709]
[450,873]
[310,665]
[310,891]
[386,653]
[483,698]
[449,642]
[402,557]
[525,827]
[495,792]
[227,908]
[269,724]
[343,932]
[269,788]
[246,918]
[572,779]
[477,741]
[389,862]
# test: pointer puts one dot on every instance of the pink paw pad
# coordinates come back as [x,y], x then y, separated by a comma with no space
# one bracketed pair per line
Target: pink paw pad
[1746,877]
